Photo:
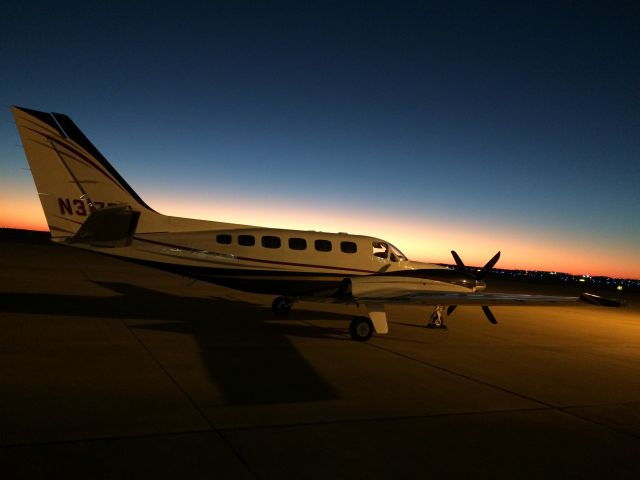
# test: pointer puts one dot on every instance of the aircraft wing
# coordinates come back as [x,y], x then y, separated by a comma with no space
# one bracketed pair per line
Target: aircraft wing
[416,291]
[377,294]
[488,299]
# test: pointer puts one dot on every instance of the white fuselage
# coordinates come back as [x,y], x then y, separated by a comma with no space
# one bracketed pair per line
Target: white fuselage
[266,260]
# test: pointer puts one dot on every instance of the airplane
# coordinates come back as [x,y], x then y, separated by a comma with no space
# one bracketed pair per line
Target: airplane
[88,205]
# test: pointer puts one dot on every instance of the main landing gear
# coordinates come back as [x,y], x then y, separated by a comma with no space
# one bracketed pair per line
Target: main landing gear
[361,329]
[282,305]
[436,320]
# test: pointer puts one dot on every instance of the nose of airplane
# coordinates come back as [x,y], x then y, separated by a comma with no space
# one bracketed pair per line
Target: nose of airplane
[480,285]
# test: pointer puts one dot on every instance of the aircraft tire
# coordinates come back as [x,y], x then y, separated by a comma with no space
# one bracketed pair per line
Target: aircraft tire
[361,329]
[435,321]
[281,305]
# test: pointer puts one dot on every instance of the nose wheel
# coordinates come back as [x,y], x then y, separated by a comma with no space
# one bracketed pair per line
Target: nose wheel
[436,320]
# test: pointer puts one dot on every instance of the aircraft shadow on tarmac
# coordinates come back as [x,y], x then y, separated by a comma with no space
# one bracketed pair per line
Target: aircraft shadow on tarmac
[244,347]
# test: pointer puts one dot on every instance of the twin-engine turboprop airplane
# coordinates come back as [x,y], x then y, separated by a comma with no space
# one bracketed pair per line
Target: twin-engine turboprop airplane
[88,205]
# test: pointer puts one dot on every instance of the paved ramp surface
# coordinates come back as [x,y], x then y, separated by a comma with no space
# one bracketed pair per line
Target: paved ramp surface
[110,370]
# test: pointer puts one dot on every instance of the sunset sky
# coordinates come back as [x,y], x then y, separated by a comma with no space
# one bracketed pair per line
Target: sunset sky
[437,126]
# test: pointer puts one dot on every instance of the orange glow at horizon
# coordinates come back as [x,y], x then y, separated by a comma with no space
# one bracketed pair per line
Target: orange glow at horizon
[427,239]
[20,208]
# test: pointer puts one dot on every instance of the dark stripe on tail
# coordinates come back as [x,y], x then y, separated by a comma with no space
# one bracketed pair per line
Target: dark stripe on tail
[45,118]
[75,134]
[67,129]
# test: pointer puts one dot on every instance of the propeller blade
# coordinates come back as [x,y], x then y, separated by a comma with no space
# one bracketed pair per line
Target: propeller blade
[458,260]
[451,309]
[487,311]
[487,268]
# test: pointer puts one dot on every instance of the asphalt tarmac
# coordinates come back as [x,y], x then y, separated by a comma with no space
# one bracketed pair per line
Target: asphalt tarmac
[112,370]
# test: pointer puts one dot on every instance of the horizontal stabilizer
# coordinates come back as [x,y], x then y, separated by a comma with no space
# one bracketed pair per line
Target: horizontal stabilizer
[108,227]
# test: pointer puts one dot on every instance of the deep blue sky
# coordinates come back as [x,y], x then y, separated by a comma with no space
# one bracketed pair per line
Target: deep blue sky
[496,125]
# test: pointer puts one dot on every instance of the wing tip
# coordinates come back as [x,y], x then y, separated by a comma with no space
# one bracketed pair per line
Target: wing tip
[602,301]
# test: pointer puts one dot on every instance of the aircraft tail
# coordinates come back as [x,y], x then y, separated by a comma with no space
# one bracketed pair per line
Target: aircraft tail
[72,177]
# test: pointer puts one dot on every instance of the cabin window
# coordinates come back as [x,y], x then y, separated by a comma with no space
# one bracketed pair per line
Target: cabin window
[223,238]
[323,245]
[380,250]
[246,240]
[297,244]
[348,247]
[269,241]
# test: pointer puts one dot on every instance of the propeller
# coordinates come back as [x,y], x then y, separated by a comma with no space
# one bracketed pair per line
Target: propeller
[487,311]
[488,267]
[479,276]
[459,262]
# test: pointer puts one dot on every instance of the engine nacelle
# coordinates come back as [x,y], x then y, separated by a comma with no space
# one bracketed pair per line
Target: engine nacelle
[387,286]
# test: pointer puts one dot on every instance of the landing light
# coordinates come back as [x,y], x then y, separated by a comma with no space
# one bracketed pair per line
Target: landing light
[582,280]
[619,287]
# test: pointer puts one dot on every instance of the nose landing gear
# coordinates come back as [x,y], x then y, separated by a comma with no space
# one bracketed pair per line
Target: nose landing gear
[436,320]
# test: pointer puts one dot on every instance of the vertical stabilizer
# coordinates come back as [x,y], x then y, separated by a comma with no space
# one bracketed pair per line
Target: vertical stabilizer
[71,175]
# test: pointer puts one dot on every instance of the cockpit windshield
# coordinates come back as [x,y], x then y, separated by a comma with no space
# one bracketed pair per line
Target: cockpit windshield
[397,255]
[387,251]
